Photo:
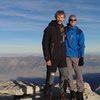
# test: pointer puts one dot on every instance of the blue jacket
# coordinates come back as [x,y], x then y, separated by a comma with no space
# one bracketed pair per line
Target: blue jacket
[74,42]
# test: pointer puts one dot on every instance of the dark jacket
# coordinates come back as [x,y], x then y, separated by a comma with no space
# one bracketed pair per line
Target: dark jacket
[53,42]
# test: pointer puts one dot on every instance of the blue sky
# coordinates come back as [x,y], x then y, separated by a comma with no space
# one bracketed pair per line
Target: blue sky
[22,23]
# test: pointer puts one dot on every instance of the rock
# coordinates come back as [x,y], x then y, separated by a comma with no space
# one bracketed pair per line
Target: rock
[98,90]
[89,94]
[20,89]
[25,99]
[17,88]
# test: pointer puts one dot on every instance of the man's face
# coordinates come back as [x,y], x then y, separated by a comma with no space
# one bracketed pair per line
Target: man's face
[72,21]
[60,18]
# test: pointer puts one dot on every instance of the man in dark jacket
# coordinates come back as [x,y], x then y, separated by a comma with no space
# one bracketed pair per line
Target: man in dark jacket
[55,54]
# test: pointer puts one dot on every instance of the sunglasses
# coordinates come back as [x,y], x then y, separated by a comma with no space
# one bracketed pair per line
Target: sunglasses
[72,19]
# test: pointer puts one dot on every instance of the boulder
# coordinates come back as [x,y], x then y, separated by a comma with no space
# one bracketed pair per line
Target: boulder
[17,88]
[21,89]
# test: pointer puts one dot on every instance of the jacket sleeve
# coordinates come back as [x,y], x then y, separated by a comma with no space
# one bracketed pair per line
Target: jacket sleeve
[46,44]
[81,43]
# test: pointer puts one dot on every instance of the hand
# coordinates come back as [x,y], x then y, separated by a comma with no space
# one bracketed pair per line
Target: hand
[81,61]
[49,63]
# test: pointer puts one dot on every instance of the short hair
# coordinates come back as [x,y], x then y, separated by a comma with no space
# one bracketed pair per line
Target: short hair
[60,12]
[71,17]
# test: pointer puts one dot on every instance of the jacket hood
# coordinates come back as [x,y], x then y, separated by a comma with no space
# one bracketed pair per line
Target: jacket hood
[54,23]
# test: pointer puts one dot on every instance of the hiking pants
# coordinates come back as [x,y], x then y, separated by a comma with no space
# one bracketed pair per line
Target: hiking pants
[51,71]
[72,63]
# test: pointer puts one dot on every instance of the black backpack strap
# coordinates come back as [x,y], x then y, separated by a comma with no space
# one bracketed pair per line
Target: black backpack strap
[65,28]
[78,31]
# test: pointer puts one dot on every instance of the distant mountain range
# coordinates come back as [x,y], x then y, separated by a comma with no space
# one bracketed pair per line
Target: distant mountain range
[9,64]
[32,68]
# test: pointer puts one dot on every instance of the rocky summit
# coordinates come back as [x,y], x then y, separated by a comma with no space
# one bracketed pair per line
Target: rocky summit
[18,90]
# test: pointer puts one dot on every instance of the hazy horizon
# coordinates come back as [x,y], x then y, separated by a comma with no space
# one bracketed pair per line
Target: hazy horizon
[37,54]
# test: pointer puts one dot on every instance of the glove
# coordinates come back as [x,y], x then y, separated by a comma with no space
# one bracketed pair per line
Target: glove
[81,61]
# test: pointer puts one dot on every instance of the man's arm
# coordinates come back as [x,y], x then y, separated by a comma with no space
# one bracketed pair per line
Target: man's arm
[46,44]
[81,49]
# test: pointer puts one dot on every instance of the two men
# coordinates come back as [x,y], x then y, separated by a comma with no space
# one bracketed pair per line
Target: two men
[63,48]
[55,54]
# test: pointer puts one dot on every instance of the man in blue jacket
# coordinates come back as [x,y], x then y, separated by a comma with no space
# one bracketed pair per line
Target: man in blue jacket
[74,56]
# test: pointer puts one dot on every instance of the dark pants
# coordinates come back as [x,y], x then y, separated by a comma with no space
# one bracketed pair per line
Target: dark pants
[51,71]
